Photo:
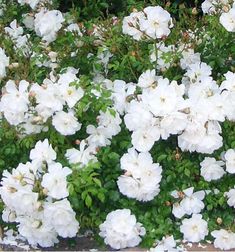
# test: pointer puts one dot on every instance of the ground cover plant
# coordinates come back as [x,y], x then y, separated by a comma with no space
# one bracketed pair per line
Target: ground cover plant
[118,118]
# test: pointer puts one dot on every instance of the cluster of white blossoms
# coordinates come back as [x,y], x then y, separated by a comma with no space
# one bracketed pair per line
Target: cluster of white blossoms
[190,202]
[120,229]
[165,108]
[4,62]
[163,55]
[214,6]
[46,23]
[30,106]
[166,56]
[35,197]
[214,170]
[157,112]
[100,136]
[121,92]
[35,194]
[142,177]
[153,22]
[108,126]
[223,7]
[194,229]
[202,132]
[16,34]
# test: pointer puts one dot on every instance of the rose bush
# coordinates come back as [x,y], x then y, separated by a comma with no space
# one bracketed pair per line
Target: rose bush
[127,120]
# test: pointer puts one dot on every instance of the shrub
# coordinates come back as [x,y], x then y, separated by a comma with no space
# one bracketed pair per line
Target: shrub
[138,102]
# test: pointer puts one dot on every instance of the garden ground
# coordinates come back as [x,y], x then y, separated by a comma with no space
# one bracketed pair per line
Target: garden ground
[88,244]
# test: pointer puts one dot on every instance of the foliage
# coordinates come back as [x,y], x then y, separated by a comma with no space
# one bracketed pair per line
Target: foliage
[93,189]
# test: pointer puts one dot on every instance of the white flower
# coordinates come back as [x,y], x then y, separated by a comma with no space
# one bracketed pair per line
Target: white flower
[25,202]
[14,102]
[19,183]
[144,139]
[138,116]
[14,30]
[189,58]
[198,71]
[55,181]
[130,25]
[48,99]
[66,123]
[120,93]
[4,62]
[32,126]
[74,28]
[224,239]
[178,210]
[229,82]
[212,169]
[28,21]
[157,22]
[229,104]
[200,135]
[98,136]
[82,156]
[43,152]
[194,229]
[164,99]
[192,202]
[231,197]
[167,243]
[37,232]
[174,123]
[228,20]
[48,23]
[110,121]
[147,79]
[120,229]
[229,157]
[61,217]
[70,93]
[19,199]
[21,43]
[142,177]
[130,160]
[8,215]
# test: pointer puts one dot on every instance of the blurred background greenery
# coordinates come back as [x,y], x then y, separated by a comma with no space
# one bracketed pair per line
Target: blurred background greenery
[101,8]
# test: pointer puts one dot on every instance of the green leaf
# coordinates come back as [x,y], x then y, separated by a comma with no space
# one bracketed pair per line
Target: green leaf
[88,201]
[97,181]
[101,197]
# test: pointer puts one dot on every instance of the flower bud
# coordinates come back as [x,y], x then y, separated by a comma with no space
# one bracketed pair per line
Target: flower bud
[194,11]
[77,141]
[219,220]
